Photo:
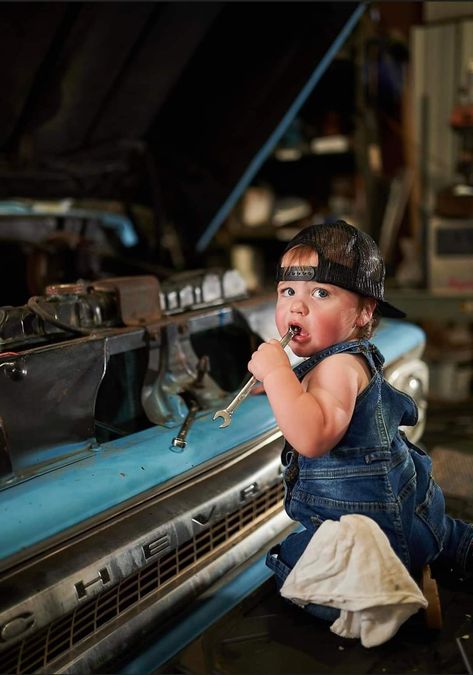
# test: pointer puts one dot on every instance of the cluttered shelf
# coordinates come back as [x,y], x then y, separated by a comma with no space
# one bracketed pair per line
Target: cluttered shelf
[447,320]
[426,305]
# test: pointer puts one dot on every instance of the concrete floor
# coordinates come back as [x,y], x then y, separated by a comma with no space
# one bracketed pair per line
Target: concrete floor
[264,634]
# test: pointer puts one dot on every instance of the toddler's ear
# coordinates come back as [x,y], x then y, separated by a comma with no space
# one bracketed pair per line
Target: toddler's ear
[366,313]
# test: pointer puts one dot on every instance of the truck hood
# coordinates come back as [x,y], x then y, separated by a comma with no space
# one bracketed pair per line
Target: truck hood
[171,105]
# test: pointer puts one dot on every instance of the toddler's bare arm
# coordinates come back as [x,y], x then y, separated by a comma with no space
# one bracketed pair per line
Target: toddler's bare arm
[313,415]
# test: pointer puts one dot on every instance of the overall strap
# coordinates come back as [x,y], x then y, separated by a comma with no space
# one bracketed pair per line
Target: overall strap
[373,356]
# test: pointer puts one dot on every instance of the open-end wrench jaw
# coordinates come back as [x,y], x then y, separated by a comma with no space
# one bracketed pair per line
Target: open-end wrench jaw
[225,415]
[227,412]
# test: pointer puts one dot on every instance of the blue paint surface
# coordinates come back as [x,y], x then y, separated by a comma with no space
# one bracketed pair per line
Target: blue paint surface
[395,337]
[52,502]
[48,504]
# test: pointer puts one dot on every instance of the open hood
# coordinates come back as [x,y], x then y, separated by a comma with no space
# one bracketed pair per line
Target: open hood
[171,105]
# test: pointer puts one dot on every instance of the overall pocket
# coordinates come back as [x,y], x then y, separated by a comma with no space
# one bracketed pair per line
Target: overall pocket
[432,513]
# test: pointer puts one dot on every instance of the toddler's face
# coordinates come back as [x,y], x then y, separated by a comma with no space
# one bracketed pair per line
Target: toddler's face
[325,314]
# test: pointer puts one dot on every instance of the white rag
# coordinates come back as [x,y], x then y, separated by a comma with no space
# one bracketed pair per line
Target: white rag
[350,564]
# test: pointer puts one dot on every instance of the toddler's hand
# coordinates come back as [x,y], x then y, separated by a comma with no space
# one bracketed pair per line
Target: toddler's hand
[269,356]
[257,389]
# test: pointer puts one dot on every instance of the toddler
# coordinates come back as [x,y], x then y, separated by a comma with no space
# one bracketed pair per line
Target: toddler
[344,451]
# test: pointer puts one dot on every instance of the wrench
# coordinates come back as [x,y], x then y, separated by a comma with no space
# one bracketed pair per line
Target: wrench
[180,440]
[227,412]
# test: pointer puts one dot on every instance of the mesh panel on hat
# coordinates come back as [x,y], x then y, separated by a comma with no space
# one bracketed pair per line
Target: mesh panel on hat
[348,258]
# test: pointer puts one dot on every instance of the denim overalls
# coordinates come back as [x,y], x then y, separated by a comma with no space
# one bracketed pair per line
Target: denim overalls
[375,471]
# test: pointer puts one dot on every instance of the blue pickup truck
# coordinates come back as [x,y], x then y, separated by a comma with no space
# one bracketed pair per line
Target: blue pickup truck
[122,502]
[109,525]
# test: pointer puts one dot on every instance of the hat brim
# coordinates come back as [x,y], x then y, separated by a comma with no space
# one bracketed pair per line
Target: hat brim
[389,311]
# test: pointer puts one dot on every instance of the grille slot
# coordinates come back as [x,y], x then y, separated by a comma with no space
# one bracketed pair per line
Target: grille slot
[36,651]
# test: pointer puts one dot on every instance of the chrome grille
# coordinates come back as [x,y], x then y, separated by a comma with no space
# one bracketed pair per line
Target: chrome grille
[41,648]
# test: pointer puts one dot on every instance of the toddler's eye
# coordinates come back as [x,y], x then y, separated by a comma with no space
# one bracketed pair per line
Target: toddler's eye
[286,292]
[320,293]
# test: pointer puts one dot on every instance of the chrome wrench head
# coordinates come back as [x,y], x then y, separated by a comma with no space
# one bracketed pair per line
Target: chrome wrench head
[225,415]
